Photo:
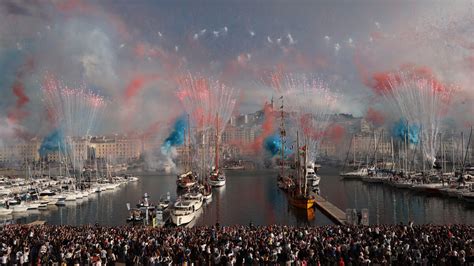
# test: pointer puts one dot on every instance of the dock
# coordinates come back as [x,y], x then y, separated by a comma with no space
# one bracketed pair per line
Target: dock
[39,222]
[329,209]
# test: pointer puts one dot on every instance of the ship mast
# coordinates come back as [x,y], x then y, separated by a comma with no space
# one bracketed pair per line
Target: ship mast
[282,136]
[216,162]
[189,147]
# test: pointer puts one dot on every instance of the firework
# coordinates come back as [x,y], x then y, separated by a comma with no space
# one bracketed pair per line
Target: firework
[207,101]
[311,102]
[73,111]
[421,103]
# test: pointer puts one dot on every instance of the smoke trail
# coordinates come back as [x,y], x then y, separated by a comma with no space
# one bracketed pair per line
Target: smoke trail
[403,130]
[375,117]
[176,138]
[273,145]
[52,143]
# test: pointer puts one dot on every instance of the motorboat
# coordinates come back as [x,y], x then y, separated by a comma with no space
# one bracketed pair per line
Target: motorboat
[196,197]
[186,180]
[32,205]
[183,212]
[217,178]
[4,211]
[19,208]
[358,174]
[312,178]
[207,193]
[164,202]
[60,201]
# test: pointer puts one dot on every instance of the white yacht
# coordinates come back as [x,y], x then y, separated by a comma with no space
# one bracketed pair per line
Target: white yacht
[60,201]
[217,178]
[183,212]
[19,208]
[312,178]
[355,174]
[196,197]
[32,205]
[4,211]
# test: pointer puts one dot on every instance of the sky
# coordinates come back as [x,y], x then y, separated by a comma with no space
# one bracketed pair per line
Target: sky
[133,54]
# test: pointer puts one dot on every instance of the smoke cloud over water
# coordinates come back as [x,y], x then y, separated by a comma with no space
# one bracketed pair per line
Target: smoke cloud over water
[133,55]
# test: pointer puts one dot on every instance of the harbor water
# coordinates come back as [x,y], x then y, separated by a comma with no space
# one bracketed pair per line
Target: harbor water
[253,197]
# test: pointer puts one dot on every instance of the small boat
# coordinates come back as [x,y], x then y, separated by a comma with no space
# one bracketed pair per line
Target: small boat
[4,211]
[186,180]
[19,208]
[358,174]
[164,202]
[207,193]
[32,205]
[132,179]
[217,178]
[312,178]
[70,197]
[60,201]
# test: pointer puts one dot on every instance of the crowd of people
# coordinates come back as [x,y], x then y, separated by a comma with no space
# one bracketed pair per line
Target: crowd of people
[226,245]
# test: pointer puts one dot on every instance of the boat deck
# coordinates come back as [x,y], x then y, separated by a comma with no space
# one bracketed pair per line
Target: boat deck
[333,212]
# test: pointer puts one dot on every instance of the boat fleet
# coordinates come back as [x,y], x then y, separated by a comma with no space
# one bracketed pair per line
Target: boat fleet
[20,196]
[439,179]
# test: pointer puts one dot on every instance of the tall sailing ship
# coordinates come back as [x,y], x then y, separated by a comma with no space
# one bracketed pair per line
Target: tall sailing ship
[299,196]
[217,177]
[285,181]
[187,179]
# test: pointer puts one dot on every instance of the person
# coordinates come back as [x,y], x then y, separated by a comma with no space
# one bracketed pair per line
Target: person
[7,204]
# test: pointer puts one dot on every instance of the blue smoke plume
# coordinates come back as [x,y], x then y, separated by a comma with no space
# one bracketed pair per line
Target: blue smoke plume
[273,145]
[176,137]
[52,143]
[402,129]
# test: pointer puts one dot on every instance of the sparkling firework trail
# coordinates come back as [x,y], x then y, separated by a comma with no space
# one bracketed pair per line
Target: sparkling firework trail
[206,100]
[311,101]
[421,102]
[75,111]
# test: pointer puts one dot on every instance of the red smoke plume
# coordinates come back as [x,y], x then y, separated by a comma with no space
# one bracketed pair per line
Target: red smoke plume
[136,84]
[381,82]
[19,91]
[375,117]
[335,133]
[18,113]
[267,129]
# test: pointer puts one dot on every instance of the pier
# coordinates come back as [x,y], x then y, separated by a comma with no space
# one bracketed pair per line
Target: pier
[329,209]
[38,222]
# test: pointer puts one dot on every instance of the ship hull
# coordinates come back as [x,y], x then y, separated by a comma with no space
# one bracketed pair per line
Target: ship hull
[301,203]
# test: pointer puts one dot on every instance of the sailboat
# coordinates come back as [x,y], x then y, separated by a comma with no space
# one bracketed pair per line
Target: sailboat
[217,177]
[299,196]
[188,179]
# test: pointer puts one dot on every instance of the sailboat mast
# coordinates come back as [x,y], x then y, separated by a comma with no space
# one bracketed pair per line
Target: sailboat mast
[217,142]
[298,164]
[282,136]
[189,146]
[392,153]
[305,181]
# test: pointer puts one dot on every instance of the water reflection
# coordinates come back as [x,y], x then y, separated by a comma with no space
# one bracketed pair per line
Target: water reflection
[254,197]
[392,205]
